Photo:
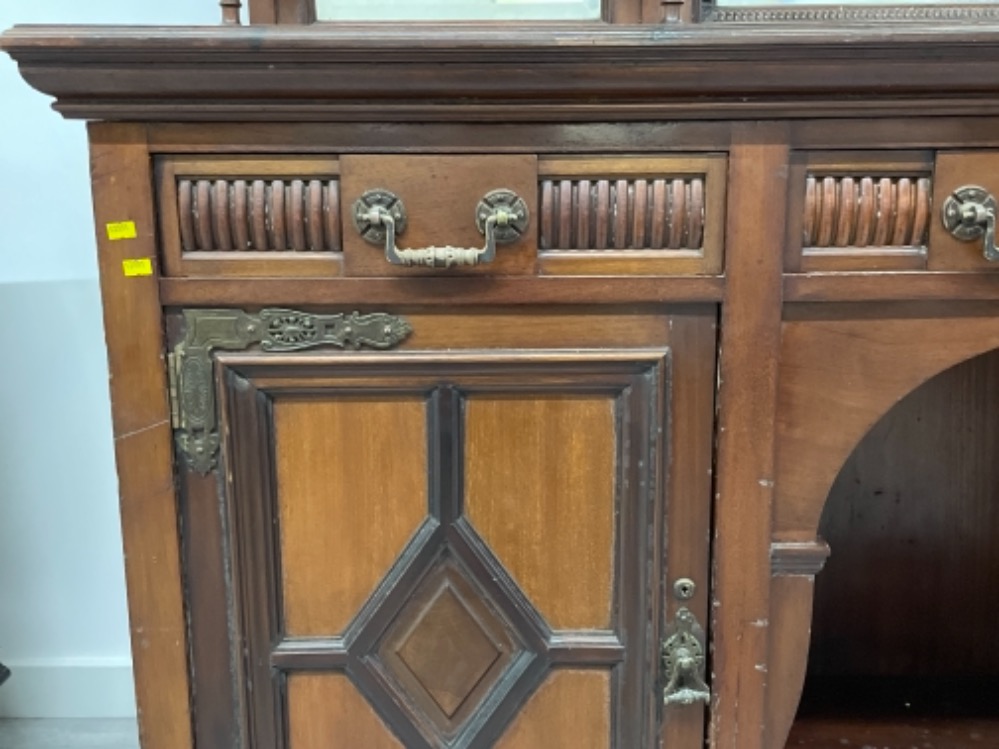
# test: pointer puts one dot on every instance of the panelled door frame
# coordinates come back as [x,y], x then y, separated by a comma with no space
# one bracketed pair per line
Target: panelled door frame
[227,714]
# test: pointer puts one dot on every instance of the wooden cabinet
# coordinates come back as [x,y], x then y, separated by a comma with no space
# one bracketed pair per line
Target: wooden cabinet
[378,492]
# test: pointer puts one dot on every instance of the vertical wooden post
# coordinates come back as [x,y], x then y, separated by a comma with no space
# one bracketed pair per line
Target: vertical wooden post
[749,354]
[126,246]
[230,12]
[649,12]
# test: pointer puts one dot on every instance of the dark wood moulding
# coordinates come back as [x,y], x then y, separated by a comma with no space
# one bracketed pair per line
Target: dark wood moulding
[562,72]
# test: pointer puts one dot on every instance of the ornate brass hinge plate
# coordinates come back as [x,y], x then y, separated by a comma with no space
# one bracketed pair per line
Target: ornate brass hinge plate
[190,367]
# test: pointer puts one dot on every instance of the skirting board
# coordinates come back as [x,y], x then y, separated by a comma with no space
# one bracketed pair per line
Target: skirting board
[69,688]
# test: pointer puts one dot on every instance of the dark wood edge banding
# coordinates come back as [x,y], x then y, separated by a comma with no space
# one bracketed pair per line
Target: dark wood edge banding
[585,649]
[443,291]
[890,286]
[310,655]
[798,557]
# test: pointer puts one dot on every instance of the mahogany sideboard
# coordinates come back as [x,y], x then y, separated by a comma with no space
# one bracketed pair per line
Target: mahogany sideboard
[501,385]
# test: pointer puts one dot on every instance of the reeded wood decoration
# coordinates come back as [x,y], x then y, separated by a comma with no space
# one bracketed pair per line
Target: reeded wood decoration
[622,214]
[866,211]
[269,215]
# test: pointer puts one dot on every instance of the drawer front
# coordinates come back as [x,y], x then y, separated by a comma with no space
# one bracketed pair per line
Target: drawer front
[318,217]
[438,197]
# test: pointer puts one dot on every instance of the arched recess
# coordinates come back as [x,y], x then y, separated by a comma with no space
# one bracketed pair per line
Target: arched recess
[842,368]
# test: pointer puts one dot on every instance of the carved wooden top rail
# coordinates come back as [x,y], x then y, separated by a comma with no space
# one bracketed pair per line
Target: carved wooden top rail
[564,72]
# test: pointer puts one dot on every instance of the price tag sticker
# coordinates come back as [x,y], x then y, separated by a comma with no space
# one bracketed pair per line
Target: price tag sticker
[121,230]
[137,266]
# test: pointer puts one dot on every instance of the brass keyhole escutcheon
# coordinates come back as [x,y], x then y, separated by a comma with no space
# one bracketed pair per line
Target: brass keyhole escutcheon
[684,588]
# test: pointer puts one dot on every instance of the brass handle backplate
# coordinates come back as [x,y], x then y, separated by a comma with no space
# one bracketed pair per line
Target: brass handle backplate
[683,661]
[380,216]
[970,213]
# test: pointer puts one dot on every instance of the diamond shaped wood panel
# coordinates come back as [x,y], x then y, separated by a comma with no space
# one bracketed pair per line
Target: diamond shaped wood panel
[449,647]
[448,651]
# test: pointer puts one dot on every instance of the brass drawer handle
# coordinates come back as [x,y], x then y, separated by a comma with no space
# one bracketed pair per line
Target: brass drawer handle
[969,213]
[501,216]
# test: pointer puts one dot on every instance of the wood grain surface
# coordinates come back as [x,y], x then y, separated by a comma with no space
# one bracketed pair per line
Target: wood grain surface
[571,710]
[352,489]
[540,488]
[325,711]
[133,323]
[749,351]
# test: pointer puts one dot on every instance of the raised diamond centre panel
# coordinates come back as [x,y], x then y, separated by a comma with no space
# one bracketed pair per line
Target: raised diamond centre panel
[448,651]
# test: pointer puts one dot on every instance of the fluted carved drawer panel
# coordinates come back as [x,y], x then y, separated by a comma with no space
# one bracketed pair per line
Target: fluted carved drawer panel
[250,216]
[631,215]
[622,214]
[259,214]
[866,211]
[861,211]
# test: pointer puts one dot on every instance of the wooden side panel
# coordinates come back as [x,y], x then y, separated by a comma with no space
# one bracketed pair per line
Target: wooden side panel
[120,168]
[539,483]
[790,627]
[325,711]
[352,489]
[571,710]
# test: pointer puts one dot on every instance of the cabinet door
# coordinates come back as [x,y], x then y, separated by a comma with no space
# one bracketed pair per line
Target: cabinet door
[466,545]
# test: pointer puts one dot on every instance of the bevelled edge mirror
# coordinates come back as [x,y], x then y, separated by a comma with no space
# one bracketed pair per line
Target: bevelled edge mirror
[438,11]
[458,10]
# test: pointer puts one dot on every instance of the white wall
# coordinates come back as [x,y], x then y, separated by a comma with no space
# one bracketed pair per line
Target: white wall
[63,622]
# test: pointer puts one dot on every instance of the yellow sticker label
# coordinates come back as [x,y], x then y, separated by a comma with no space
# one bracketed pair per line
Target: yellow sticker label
[121,230]
[137,266]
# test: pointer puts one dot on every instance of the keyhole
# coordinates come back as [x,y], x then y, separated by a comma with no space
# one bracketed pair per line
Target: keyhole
[684,588]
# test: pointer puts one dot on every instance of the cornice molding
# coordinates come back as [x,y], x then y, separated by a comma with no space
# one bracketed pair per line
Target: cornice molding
[510,73]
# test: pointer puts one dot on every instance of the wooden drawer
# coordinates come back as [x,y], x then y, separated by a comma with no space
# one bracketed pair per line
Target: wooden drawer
[294,216]
[439,197]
